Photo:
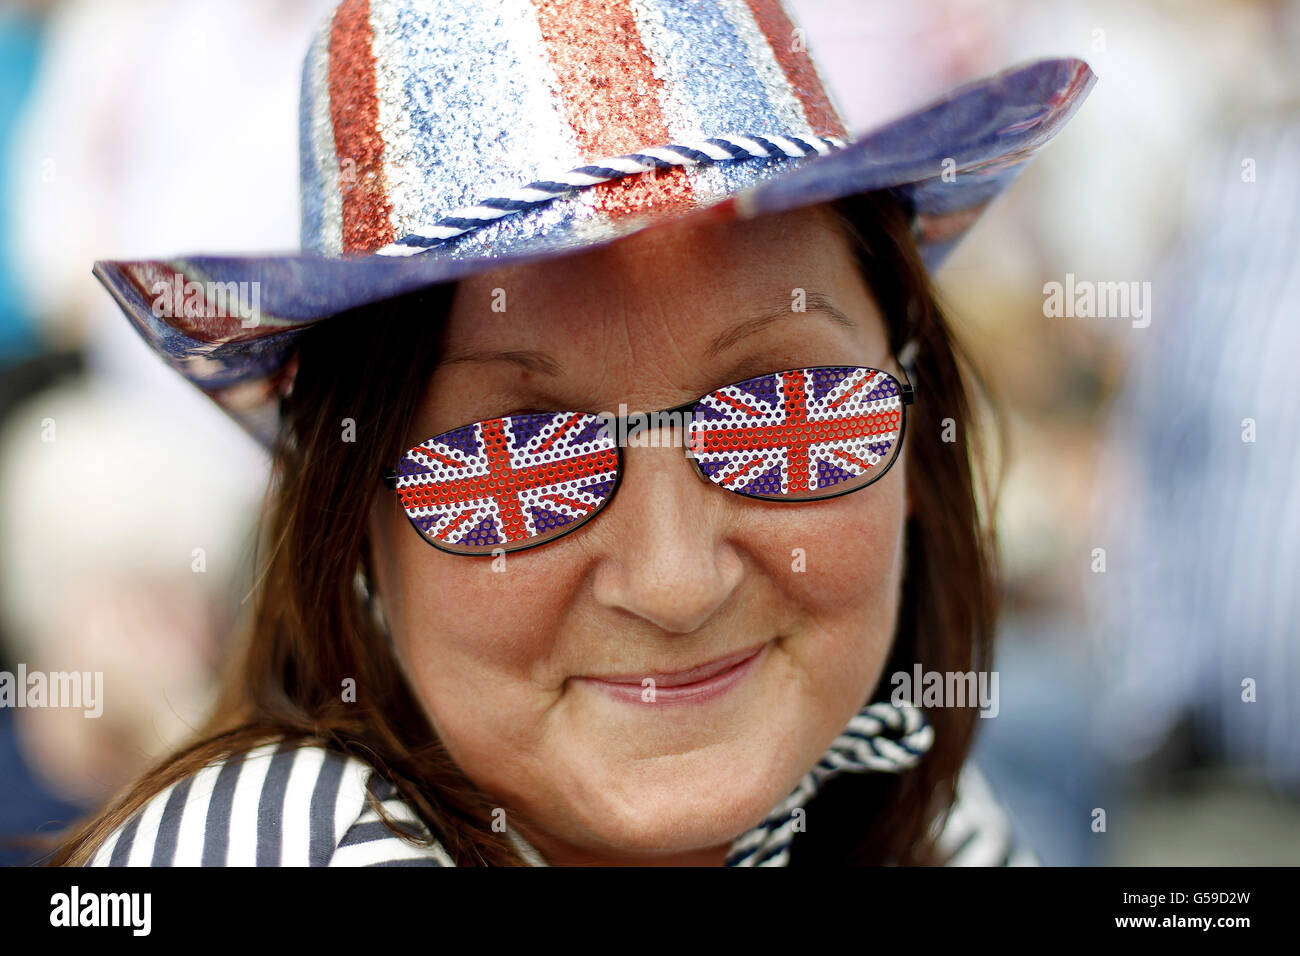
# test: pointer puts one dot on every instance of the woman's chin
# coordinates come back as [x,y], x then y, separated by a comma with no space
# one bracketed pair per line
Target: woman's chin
[677,805]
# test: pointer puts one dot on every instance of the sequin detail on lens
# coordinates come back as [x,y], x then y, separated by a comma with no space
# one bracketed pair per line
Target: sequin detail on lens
[799,433]
[509,481]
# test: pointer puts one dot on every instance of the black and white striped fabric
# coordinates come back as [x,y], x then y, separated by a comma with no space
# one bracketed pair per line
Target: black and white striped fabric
[301,805]
[882,738]
[278,805]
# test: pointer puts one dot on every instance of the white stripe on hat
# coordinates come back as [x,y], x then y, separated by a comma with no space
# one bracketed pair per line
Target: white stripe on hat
[322,143]
[388,48]
[780,93]
[525,132]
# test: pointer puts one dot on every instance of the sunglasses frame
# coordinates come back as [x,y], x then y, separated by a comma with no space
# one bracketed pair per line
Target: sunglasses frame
[906,394]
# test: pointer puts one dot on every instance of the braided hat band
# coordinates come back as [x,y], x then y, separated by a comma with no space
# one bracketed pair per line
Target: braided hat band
[706,152]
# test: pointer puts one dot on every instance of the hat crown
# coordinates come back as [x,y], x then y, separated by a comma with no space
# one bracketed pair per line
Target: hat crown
[412,109]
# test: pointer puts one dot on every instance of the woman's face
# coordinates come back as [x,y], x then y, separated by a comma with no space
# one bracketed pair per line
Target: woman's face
[674,573]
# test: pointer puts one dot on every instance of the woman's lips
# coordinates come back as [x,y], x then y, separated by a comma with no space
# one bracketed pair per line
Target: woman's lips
[696,685]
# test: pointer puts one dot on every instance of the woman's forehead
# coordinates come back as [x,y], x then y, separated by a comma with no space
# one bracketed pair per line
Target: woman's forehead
[700,288]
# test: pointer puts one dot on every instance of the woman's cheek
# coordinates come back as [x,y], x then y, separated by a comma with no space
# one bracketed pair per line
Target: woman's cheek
[475,623]
[836,554]
[838,565]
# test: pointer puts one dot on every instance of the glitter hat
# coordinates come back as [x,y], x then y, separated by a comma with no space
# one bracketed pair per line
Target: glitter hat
[440,138]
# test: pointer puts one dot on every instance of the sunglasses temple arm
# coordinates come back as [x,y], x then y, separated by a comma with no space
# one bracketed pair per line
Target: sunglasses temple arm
[907,361]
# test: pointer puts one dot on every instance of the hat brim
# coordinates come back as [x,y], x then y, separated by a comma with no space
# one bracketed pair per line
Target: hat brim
[947,161]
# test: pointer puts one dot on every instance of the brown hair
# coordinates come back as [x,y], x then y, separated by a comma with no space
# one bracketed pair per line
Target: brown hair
[310,627]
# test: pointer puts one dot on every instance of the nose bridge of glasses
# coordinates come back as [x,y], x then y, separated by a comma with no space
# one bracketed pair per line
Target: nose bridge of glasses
[641,429]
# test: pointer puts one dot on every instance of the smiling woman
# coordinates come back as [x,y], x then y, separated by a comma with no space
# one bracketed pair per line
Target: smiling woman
[647,688]
[492,629]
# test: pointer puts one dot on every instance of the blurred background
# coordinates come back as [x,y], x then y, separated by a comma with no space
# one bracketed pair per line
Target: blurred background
[1149,658]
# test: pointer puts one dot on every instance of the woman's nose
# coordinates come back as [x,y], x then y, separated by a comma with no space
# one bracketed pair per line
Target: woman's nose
[667,555]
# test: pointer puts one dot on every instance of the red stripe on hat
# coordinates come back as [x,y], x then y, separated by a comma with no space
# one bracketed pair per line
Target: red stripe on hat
[358,145]
[611,96]
[798,67]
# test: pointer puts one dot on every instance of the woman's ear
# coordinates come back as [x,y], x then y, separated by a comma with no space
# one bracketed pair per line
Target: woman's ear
[373,574]
[369,593]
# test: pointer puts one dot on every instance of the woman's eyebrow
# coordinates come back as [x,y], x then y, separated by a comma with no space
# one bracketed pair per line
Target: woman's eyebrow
[530,359]
[813,302]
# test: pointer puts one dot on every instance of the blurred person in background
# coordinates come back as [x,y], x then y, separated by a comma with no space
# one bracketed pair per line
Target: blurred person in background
[26,802]
[107,135]
[1198,613]
[109,566]
[1106,207]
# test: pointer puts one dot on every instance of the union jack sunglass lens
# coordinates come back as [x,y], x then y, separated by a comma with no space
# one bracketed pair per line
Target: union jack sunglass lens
[509,483]
[800,434]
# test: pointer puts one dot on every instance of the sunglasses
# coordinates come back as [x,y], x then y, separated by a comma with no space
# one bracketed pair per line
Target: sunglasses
[516,482]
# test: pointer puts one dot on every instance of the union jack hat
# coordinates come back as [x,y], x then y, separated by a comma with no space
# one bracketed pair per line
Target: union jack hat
[440,138]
